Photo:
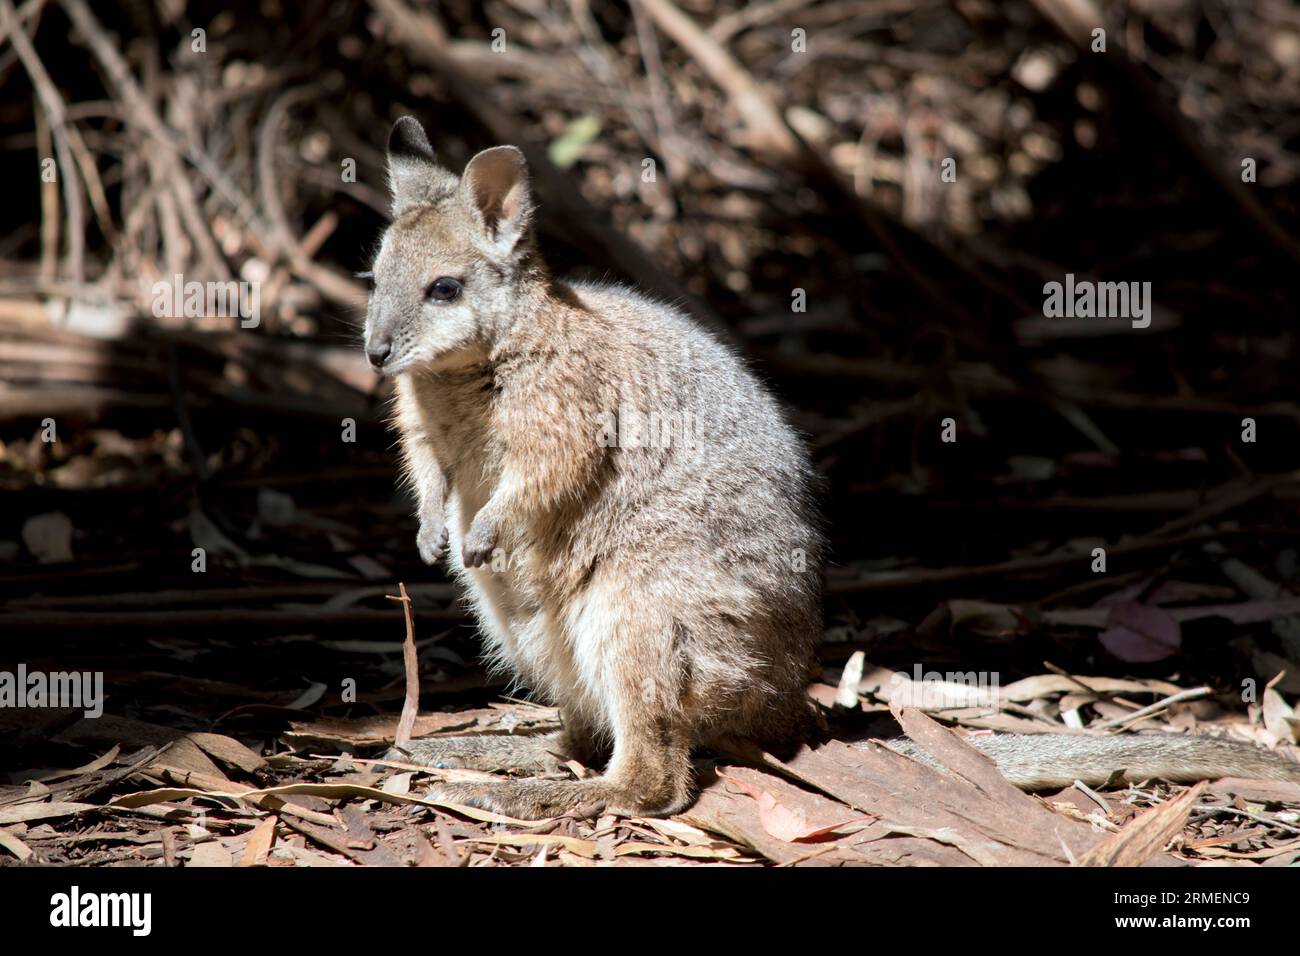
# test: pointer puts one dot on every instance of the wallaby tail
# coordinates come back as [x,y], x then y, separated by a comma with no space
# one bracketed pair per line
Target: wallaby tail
[1045,761]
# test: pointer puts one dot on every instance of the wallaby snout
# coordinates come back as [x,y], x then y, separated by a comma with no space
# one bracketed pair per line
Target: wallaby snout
[381,329]
[377,351]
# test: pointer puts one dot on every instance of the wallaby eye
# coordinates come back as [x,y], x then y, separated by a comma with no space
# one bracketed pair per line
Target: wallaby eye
[443,289]
[368,278]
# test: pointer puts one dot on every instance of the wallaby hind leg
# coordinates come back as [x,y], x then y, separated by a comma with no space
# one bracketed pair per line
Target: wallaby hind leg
[535,753]
[650,770]
[649,775]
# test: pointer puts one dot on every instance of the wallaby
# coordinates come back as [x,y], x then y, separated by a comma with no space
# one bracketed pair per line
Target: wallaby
[631,516]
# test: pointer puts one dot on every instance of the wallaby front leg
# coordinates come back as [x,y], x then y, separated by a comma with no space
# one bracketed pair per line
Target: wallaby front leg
[432,536]
[430,484]
[550,457]
[485,530]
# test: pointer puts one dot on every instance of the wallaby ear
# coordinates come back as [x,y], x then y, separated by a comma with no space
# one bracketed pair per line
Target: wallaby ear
[496,190]
[414,175]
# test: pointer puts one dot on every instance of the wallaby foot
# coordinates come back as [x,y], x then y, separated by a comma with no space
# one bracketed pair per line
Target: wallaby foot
[534,799]
[649,775]
[536,753]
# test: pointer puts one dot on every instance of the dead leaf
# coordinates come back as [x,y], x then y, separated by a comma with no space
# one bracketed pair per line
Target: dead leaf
[259,843]
[847,693]
[228,750]
[786,823]
[1146,835]
[1141,633]
[311,695]
[987,619]
[27,812]
[9,840]
[1279,717]
[211,854]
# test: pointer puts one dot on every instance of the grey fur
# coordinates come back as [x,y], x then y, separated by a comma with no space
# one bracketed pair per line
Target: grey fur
[1046,761]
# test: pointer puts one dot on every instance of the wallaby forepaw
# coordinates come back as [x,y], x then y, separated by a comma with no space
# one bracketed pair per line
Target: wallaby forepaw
[432,541]
[476,550]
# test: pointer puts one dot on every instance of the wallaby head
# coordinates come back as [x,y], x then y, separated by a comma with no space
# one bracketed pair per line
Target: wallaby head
[448,276]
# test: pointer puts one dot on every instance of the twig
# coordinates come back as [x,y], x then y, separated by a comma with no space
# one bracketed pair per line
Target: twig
[139,111]
[63,134]
[49,201]
[1249,815]
[331,284]
[767,129]
[1124,722]
[756,14]
[1050,564]
[1230,500]
[411,662]
[665,123]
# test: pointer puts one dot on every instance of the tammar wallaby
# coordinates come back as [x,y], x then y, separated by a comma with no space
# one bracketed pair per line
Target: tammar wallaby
[628,510]
[622,499]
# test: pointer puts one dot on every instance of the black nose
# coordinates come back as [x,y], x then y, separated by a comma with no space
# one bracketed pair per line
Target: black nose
[378,353]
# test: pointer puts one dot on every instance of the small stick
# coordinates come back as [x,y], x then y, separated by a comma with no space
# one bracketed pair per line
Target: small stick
[140,112]
[410,706]
[52,103]
[1190,694]
[49,200]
